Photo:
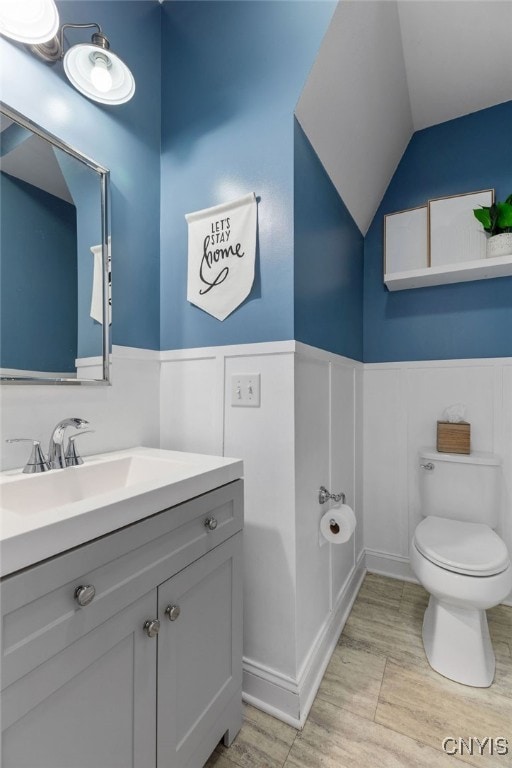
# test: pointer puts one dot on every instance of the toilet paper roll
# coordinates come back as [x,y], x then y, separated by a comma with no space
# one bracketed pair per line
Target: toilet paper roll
[338,525]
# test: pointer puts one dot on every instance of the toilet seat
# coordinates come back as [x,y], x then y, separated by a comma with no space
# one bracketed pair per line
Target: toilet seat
[472,549]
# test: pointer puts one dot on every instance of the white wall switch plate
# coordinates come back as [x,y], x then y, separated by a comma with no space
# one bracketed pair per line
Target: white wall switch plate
[245,390]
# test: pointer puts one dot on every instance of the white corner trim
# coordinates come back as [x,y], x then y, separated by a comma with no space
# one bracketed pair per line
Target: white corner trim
[326,357]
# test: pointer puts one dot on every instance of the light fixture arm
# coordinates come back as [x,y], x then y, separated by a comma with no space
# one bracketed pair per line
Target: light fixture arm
[53,50]
[98,39]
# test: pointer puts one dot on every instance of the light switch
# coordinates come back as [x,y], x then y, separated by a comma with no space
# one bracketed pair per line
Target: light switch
[245,390]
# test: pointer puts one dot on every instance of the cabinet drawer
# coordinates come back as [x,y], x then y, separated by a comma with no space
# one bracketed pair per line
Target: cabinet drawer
[40,615]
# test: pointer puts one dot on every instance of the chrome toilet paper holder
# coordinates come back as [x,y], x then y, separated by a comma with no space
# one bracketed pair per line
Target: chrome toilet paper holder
[324,495]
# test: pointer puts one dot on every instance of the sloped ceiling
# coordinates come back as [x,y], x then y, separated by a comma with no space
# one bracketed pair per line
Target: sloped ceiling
[386,69]
[33,160]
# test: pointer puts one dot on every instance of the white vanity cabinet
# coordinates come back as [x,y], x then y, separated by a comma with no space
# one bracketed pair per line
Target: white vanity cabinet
[149,673]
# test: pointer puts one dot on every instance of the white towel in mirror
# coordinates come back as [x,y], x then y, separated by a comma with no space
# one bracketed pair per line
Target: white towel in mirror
[97,285]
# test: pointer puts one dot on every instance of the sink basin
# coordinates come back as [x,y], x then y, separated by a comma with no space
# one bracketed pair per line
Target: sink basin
[33,494]
[45,514]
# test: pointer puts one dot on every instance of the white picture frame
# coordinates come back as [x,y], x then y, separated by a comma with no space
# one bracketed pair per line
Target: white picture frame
[406,240]
[454,234]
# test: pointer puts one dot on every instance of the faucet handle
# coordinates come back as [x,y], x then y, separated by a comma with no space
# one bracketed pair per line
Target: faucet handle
[72,457]
[37,461]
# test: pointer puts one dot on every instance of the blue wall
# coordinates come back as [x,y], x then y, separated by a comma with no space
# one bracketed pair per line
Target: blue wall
[232,73]
[38,279]
[328,260]
[212,119]
[463,320]
[124,138]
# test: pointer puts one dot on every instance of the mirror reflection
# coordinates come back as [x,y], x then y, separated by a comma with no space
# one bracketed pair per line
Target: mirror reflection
[54,263]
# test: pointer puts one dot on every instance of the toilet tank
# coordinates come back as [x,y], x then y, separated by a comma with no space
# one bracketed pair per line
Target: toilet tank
[460,487]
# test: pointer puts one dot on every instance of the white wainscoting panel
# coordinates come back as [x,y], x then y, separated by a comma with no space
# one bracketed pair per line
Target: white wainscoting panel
[322,419]
[191,407]
[264,438]
[359,459]
[297,594]
[343,436]
[197,415]
[312,418]
[429,391]
[123,415]
[384,472]
[505,422]
[402,403]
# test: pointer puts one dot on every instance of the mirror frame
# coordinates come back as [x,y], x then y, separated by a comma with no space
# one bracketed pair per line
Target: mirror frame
[104,180]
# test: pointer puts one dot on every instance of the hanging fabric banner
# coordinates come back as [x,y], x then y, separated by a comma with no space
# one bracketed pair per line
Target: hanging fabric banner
[221,255]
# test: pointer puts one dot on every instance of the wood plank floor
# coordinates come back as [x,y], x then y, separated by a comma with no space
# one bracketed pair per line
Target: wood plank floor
[380,705]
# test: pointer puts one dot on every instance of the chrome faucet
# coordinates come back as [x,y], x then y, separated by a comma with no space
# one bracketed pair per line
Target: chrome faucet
[56,452]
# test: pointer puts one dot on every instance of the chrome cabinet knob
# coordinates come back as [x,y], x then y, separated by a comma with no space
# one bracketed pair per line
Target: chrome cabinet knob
[210,523]
[429,467]
[151,627]
[84,594]
[172,612]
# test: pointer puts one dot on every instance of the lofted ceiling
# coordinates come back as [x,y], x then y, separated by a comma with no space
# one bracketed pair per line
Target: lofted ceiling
[387,68]
[31,159]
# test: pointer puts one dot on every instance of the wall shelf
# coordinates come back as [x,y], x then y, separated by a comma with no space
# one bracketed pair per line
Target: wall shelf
[463,272]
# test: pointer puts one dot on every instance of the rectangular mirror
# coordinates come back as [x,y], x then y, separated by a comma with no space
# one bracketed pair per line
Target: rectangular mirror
[55,277]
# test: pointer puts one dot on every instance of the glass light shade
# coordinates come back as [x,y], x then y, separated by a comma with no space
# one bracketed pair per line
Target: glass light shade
[29,21]
[80,64]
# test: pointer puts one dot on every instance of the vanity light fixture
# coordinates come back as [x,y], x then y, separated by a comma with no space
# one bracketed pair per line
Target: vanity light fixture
[29,21]
[91,68]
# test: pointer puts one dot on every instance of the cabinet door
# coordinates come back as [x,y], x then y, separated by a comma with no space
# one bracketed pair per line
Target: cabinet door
[199,656]
[92,705]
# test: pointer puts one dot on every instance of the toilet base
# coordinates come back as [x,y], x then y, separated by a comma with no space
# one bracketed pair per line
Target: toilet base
[457,643]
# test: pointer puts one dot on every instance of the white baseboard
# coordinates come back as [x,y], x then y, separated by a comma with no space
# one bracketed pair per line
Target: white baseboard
[314,669]
[385,564]
[290,700]
[270,696]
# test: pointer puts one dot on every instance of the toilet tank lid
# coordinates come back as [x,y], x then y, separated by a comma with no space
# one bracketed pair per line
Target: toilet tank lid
[475,457]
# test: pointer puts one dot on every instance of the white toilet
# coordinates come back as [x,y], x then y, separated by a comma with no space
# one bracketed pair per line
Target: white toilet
[461,562]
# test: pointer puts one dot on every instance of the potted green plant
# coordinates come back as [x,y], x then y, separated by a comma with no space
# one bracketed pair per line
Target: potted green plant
[496,220]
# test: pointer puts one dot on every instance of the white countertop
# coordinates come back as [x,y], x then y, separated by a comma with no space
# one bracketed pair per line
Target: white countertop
[29,535]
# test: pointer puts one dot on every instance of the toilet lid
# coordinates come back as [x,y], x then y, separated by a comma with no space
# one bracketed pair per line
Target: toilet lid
[473,549]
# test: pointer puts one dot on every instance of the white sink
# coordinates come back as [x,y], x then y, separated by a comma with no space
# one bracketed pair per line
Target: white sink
[44,514]
[33,494]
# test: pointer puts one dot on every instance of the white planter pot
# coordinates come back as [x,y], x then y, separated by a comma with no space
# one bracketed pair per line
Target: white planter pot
[499,245]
